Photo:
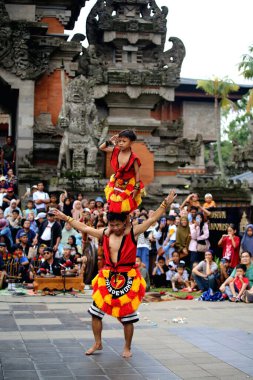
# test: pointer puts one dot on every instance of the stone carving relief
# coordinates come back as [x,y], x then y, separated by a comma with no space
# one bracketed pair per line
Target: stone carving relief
[82,131]
[115,30]
[19,52]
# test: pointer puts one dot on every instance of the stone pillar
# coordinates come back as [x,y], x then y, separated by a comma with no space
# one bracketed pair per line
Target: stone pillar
[25,114]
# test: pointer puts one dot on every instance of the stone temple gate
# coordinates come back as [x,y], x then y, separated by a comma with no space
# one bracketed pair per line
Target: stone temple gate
[133,83]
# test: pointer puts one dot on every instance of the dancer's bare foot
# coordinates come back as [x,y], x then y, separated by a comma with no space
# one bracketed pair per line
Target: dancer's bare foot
[95,347]
[126,353]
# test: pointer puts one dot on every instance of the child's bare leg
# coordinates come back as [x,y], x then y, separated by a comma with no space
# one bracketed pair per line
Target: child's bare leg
[97,332]
[232,288]
[173,282]
[188,285]
[193,284]
[128,333]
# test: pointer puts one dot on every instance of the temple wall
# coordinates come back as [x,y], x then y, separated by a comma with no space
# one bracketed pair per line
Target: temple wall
[25,113]
[48,95]
[54,26]
[21,12]
[199,118]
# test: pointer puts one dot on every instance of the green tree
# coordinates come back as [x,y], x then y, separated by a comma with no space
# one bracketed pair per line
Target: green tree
[220,90]
[238,128]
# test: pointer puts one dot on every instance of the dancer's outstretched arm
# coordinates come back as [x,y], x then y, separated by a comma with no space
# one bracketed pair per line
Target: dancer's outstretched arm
[139,228]
[79,225]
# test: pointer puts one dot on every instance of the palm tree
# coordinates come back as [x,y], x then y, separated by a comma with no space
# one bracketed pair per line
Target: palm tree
[246,68]
[220,90]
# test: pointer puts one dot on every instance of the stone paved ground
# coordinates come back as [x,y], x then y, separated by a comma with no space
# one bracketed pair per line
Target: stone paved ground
[45,338]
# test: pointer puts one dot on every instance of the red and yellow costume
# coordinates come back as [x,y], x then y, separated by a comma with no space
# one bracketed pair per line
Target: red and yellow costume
[121,185]
[118,288]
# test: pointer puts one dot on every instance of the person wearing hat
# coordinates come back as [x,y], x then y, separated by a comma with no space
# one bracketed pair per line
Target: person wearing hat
[23,244]
[99,205]
[50,264]
[50,232]
[8,197]
[3,183]
[41,217]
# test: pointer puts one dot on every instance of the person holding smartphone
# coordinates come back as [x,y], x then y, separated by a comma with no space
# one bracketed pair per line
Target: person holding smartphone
[230,244]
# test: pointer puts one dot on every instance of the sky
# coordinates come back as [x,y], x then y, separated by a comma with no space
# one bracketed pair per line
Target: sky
[216,33]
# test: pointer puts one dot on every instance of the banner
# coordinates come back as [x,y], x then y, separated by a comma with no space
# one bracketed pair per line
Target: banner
[219,221]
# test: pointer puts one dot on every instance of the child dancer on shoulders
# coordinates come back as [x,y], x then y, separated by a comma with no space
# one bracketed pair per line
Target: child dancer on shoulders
[123,192]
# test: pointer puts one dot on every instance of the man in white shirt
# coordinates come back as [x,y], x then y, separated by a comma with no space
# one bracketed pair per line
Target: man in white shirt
[49,232]
[41,198]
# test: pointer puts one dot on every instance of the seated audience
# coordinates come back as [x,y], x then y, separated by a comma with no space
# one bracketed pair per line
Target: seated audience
[239,284]
[225,269]
[144,272]
[30,209]
[28,231]
[205,273]
[172,265]
[180,279]
[247,239]
[8,197]
[5,231]
[50,265]
[14,223]
[13,206]
[159,273]
[160,233]
[49,232]
[53,203]
[77,210]
[246,260]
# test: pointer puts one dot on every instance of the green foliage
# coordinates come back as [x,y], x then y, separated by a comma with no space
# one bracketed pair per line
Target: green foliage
[220,89]
[246,66]
[238,129]
[226,151]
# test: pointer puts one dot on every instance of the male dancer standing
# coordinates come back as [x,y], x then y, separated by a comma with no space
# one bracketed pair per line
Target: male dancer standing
[118,288]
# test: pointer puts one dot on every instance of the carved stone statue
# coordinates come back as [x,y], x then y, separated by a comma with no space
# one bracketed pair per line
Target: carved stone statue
[82,130]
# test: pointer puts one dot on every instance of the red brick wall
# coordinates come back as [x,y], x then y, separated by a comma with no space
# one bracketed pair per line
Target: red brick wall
[54,26]
[48,95]
[147,163]
[167,111]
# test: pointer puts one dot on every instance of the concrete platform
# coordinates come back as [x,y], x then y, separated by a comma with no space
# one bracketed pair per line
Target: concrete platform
[46,337]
